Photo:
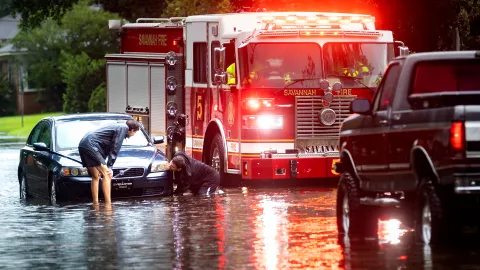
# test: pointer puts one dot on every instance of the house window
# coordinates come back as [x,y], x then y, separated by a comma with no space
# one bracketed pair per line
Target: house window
[29,85]
[200,62]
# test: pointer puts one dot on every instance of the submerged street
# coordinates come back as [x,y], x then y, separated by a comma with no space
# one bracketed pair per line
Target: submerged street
[245,228]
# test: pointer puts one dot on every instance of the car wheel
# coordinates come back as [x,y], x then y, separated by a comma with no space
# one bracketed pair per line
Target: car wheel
[352,219]
[216,160]
[431,224]
[23,188]
[53,193]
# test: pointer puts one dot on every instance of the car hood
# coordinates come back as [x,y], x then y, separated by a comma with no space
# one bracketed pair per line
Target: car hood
[128,157]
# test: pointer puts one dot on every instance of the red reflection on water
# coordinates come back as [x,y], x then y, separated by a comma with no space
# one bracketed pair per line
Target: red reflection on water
[288,237]
[220,226]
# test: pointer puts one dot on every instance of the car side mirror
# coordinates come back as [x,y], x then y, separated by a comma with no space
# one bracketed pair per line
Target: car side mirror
[158,139]
[40,146]
[361,106]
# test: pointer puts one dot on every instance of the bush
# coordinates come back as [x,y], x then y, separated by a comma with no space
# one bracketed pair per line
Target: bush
[97,102]
[82,76]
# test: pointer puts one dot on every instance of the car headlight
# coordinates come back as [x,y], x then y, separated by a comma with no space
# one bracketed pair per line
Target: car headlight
[160,166]
[74,171]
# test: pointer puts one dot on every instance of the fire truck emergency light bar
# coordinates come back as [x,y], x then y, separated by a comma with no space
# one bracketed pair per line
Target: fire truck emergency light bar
[157,22]
[318,32]
[282,22]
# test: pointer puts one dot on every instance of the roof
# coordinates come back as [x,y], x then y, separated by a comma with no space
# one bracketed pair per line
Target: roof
[444,55]
[89,116]
[9,27]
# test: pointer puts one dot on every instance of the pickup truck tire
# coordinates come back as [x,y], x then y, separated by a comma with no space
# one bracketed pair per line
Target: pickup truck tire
[352,219]
[431,224]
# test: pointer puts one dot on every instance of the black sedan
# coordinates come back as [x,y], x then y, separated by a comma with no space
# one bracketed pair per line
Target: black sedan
[50,165]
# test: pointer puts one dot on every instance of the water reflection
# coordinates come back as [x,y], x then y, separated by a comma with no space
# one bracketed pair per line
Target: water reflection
[245,228]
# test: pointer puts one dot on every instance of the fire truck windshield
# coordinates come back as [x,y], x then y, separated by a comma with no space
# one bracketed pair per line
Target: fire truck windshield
[276,65]
[356,65]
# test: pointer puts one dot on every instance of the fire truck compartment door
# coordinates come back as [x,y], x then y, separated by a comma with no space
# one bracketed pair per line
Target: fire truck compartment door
[157,82]
[117,98]
[137,85]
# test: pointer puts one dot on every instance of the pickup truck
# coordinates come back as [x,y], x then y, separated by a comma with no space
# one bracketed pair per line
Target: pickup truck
[415,148]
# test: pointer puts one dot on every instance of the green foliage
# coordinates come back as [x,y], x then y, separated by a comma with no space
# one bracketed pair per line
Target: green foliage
[83,30]
[82,75]
[34,12]
[98,99]
[7,97]
[183,8]
[134,9]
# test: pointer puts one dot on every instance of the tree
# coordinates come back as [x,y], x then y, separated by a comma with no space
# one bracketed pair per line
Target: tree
[35,12]
[182,8]
[82,75]
[134,9]
[83,30]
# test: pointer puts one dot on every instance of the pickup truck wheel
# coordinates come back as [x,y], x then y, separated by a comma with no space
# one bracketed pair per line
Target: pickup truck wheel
[431,225]
[352,219]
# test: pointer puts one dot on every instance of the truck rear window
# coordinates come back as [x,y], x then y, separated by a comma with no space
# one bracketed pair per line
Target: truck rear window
[446,76]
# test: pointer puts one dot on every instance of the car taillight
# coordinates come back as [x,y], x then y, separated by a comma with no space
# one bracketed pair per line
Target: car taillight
[457,136]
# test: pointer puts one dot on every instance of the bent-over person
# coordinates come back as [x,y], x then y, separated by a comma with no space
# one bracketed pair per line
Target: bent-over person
[101,144]
[193,174]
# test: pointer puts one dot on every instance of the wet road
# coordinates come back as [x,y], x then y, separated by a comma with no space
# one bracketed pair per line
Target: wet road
[261,228]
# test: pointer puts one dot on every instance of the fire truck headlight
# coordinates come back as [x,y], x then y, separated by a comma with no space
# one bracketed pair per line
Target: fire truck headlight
[263,122]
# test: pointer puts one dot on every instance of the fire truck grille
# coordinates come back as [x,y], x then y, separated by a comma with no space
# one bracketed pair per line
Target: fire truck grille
[308,125]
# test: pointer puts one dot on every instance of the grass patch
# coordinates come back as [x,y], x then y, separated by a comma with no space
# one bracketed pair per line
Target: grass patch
[12,125]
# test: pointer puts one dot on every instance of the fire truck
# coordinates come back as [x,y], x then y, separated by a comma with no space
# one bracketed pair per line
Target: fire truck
[257,95]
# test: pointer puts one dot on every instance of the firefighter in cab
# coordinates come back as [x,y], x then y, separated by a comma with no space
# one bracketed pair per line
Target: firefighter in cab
[359,68]
[231,74]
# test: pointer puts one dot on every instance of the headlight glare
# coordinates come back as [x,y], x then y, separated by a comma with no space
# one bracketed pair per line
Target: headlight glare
[160,166]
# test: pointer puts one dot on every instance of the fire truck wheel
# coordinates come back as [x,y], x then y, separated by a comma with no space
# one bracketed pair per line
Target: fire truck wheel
[217,152]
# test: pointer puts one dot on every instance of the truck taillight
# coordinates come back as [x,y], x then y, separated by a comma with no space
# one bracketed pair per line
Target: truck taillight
[457,136]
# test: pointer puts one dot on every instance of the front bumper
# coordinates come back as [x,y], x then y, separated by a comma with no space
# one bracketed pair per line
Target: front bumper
[153,184]
[289,166]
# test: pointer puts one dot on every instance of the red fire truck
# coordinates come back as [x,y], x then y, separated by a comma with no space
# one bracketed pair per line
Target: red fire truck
[264,93]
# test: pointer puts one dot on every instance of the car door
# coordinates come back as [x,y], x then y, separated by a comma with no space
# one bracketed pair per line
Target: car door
[41,159]
[37,169]
[28,153]
[376,129]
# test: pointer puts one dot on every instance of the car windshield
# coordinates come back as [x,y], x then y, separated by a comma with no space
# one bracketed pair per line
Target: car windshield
[356,65]
[276,65]
[69,133]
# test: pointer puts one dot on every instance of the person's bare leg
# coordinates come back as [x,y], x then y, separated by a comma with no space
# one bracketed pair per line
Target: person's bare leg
[105,182]
[94,186]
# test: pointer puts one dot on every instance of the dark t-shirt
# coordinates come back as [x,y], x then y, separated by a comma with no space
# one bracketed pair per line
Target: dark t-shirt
[106,140]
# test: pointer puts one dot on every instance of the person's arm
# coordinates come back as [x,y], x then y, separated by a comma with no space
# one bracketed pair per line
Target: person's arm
[120,135]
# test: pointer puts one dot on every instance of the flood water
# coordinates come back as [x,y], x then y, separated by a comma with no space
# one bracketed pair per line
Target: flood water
[245,228]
